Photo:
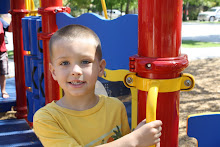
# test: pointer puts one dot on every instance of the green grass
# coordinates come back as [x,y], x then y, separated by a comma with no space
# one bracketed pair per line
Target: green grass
[10,54]
[198,44]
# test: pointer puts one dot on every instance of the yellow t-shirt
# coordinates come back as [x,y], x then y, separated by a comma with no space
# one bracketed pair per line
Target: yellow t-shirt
[58,126]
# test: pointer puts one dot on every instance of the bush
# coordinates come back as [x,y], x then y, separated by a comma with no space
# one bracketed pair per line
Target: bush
[193,15]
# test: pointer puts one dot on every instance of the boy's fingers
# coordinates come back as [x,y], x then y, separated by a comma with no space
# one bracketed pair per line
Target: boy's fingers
[156,123]
[158,135]
[158,144]
[144,120]
[160,129]
[157,141]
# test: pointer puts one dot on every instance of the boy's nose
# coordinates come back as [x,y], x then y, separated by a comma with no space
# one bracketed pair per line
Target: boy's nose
[76,70]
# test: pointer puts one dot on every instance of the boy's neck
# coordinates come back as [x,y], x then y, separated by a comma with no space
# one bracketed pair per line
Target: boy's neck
[78,103]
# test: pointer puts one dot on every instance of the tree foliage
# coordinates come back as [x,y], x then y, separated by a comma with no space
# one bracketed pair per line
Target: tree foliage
[82,6]
[207,3]
[191,8]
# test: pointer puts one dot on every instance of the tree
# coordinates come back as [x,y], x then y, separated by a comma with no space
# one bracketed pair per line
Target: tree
[78,6]
[122,5]
[199,5]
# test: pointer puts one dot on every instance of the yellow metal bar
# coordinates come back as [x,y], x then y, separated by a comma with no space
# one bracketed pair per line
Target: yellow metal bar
[104,8]
[166,85]
[33,12]
[133,108]
[32,5]
[151,106]
[115,75]
[27,6]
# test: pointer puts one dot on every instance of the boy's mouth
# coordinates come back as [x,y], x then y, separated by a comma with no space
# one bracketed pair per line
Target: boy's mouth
[78,82]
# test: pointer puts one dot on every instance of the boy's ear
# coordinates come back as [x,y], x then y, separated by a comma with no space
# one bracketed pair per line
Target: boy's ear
[102,67]
[52,71]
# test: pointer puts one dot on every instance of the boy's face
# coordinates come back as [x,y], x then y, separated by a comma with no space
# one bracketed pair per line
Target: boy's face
[75,66]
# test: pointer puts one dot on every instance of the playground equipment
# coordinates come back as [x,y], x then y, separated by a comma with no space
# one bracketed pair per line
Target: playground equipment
[18,11]
[34,72]
[4,8]
[156,69]
[17,132]
[204,127]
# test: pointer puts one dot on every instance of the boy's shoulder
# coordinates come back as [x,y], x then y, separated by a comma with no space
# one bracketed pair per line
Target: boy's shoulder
[45,111]
[112,100]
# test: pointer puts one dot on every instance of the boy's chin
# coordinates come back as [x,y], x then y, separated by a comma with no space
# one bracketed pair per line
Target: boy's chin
[81,94]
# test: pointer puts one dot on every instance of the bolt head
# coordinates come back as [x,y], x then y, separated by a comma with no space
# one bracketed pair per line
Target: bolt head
[148,65]
[129,80]
[187,83]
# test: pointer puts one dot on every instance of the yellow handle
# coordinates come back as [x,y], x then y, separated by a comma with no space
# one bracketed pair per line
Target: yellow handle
[151,106]
[104,9]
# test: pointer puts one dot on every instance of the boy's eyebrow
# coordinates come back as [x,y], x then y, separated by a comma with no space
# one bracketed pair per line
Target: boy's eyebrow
[64,57]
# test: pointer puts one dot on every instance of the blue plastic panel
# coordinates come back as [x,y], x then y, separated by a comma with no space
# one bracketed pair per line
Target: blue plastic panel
[33,37]
[39,42]
[4,6]
[41,81]
[205,128]
[119,37]
[30,104]
[27,70]
[26,33]
[34,75]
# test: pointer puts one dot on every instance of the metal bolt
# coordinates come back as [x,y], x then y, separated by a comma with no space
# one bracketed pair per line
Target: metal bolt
[129,80]
[105,74]
[148,65]
[187,83]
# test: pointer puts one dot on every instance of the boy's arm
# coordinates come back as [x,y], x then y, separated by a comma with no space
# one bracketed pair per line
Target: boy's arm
[145,135]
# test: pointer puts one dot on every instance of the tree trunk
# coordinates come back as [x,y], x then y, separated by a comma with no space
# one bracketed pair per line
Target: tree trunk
[127,7]
[121,8]
[185,12]
[111,13]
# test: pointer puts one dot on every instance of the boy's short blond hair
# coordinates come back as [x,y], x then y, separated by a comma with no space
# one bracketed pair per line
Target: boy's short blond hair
[73,32]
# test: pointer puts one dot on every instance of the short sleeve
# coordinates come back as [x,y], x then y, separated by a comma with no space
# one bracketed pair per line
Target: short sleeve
[49,131]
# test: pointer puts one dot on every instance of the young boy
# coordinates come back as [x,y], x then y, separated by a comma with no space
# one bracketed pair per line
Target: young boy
[80,117]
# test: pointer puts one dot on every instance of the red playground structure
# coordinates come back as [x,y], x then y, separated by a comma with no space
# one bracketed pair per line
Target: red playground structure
[155,71]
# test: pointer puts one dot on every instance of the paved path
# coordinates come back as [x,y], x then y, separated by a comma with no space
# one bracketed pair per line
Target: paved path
[206,32]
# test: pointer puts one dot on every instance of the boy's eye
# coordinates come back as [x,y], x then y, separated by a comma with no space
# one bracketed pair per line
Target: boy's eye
[85,62]
[64,63]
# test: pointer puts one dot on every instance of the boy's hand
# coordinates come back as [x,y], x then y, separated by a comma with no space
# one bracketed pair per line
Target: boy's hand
[148,134]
